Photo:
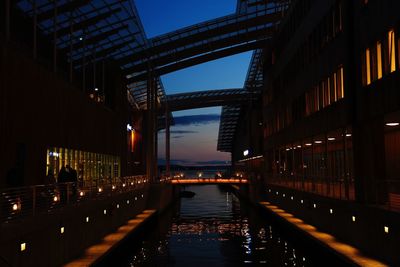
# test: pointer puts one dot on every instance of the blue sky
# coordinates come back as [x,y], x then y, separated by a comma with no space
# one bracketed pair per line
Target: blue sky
[195,142]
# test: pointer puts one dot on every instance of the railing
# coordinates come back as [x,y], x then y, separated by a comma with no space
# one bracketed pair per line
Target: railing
[23,202]
[209,181]
[387,194]
[333,187]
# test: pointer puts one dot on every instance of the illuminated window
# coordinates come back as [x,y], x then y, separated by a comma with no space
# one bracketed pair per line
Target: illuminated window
[367,67]
[379,59]
[340,84]
[392,51]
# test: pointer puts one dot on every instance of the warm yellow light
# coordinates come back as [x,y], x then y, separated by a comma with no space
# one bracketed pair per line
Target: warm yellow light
[87,219]
[127,202]
[291,197]
[132,137]
[81,193]
[136,198]
[301,201]
[386,229]
[62,230]
[123,185]
[392,124]
[113,187]
[392,51]
[331,138]
[379,59]
[117,206]
[315,205]
[15,207]
[331,211]
[100,189]
[23,246]
[308,144]
[367,66]
[55,198]
[353,218]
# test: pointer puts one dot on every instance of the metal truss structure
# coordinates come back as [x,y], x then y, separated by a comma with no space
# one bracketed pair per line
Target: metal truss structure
[209,98]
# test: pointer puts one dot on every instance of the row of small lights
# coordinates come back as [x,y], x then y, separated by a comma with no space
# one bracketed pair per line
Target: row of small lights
[18,206]
[23,246]
[316,142]
[353,218]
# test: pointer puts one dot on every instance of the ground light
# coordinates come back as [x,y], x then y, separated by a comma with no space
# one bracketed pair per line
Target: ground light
[353,218]
[386,229]
[23,247]
[392,124]
[62,230]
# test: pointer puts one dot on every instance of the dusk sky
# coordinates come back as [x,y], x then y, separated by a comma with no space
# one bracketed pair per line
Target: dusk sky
[194,137]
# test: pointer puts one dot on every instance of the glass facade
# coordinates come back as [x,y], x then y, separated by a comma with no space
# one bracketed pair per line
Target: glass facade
[89,166]
[320,164]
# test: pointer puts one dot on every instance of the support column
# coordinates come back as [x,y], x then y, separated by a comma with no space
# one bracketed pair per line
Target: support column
[167,142]
[34,52]
[155,130]
[7,19]
[71,23]
[55,37]
[149,136]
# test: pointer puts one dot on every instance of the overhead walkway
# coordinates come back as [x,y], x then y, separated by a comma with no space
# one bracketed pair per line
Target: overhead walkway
[205,41]
[202,99]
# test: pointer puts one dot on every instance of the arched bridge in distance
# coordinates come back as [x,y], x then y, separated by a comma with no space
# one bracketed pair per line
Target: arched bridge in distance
[201,181]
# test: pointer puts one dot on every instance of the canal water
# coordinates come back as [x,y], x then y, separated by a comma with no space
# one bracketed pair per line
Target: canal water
[214,228]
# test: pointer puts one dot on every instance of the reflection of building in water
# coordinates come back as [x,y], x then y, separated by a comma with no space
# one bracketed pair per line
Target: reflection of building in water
[89,166]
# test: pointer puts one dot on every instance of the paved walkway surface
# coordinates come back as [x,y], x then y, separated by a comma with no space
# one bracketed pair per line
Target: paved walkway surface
[96,252]
[347,251]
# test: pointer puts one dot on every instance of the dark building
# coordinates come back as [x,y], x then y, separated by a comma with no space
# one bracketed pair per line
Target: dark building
[330,119]
[63,94]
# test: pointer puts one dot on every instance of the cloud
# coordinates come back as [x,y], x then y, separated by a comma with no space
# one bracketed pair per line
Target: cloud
[177,137]
[197,119]
[183,132]
[179,132]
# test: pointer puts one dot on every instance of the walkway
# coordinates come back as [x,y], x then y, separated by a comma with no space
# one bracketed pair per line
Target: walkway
[209,181]
[348,252]
[96,253]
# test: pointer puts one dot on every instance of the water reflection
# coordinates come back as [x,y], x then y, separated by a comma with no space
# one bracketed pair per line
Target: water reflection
[213,229]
